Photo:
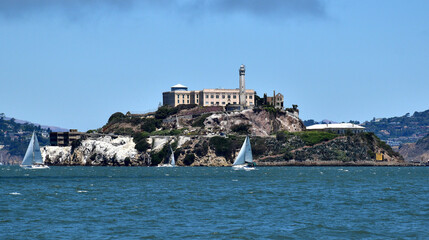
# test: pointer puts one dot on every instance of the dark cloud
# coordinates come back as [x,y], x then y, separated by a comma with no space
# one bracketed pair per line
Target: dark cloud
[262,8]
[280,8]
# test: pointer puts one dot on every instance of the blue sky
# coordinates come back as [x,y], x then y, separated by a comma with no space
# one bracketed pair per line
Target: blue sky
[73,63]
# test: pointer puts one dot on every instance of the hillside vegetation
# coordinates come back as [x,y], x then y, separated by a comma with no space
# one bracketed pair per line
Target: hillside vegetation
[14,139]
[398,130]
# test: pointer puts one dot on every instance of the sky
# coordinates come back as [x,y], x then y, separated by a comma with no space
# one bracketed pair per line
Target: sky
[73,63]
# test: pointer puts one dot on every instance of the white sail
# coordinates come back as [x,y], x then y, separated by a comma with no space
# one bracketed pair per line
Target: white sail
[245,154]
[37,153]
[172,161]
[33,155]
[29,155]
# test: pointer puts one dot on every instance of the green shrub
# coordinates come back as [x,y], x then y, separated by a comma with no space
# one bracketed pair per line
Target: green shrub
[222,146]
[189,159]
[199,122]
[150,124]
[160,156]
[127,161]
[201,150]
[138,136]
[241,128]
[371,154]
[142,145]
[281,136]
[259,147]
[116,117]
[315,137]
[288,156]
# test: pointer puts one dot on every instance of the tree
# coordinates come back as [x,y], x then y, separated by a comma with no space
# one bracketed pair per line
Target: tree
[117,116]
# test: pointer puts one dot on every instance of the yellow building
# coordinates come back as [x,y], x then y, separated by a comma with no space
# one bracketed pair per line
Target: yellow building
[242,97]
[180,94]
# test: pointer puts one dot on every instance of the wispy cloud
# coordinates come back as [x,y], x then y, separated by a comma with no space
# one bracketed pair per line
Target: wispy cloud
[195,8]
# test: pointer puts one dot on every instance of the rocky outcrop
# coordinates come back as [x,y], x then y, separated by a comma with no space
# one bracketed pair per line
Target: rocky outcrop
[292,149]
[261,122]
[104,150]
[416,152]
[201,121]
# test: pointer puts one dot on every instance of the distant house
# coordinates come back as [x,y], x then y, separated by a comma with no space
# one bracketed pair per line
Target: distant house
[340,128]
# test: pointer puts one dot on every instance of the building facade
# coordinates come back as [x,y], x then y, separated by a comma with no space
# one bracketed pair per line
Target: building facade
[180,94]
[64,138]
[208,97]
[277,100]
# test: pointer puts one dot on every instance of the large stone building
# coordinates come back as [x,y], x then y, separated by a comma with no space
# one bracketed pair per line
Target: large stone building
[180,94]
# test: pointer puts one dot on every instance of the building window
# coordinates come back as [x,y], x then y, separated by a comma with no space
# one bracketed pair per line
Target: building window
[229,96]
[234,96]
[197,100]
[207,103]
[217,96]
[217,103]
[212,103]
[234,102]
[178,101]
[250,96]
[188,101]
[211,96]
[223,103]
[223,96]
[207,96]
[183,101]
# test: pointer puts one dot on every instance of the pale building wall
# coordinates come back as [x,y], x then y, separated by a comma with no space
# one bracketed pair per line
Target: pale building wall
[208,97]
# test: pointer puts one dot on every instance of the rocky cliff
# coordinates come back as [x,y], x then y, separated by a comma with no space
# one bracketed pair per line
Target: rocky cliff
[99,151]
[416,152]
[288,149]
[207,121]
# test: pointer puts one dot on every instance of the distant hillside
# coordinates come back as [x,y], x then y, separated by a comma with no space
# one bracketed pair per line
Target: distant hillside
[50,128]
[399,130]
[416,152]
[14,139]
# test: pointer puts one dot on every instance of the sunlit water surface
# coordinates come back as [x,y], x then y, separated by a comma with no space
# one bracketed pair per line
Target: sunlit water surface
[214,203]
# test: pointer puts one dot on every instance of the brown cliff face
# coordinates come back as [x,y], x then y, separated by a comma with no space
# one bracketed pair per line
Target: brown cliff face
[260,122]
[416,152]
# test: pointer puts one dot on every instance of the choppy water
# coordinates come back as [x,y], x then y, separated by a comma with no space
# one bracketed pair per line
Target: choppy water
[214,203]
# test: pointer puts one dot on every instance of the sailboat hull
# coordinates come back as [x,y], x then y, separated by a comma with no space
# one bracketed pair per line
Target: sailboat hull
[165,165]
[34,167]
[245,167]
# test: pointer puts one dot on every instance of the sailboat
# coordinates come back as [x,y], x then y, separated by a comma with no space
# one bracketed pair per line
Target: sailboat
[171,161]
[33,157]
[244,160]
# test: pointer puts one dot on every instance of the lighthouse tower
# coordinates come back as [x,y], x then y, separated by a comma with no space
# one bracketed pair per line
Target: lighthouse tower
[242,72]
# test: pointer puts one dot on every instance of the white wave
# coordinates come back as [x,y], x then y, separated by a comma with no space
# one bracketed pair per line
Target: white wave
[15,193]
[81,191]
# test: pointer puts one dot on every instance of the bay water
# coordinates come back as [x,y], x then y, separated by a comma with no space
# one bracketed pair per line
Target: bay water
[214,203]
